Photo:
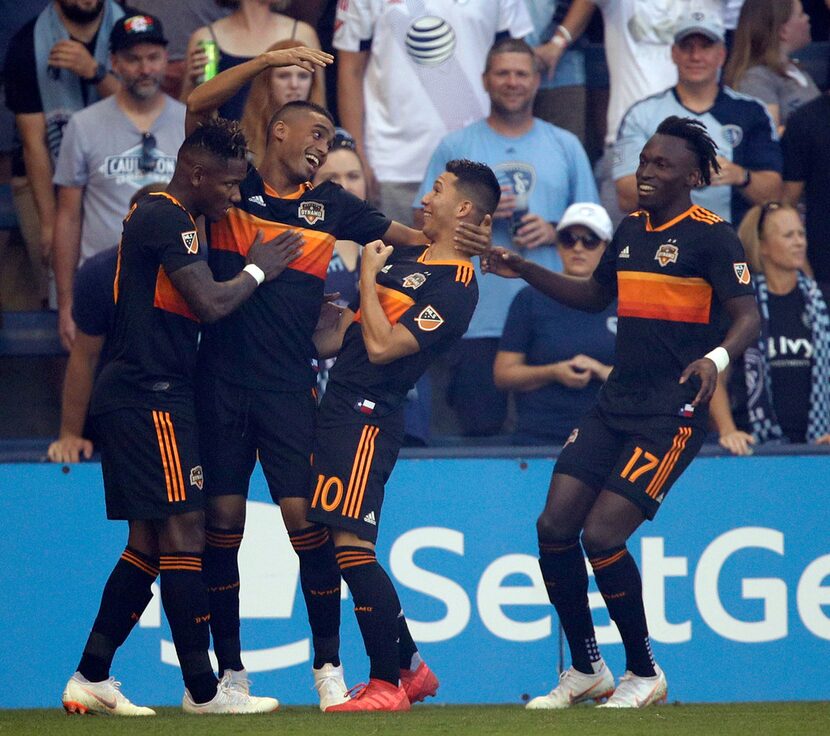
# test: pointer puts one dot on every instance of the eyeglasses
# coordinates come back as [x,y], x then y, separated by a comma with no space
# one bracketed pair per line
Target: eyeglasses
[147,160]
[568,240]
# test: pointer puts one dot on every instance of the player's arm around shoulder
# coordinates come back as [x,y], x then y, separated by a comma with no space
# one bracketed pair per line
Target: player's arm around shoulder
[384,341]
[211,300]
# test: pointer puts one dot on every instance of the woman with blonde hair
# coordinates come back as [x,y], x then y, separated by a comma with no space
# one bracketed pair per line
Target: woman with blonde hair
[252,27]
[768,33]
[270,90]
[781,389]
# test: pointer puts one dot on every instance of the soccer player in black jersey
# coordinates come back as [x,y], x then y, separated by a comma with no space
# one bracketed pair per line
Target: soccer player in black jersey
[255,396]
[674,268]
[143,404]
[414,304]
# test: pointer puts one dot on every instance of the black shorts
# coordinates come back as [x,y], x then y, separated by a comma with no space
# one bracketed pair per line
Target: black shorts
[150,463]
[638,457]
[352,462]
[238,425]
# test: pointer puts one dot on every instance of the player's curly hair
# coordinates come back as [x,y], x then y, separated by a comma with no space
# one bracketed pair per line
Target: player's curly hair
[698,140]
[223,138]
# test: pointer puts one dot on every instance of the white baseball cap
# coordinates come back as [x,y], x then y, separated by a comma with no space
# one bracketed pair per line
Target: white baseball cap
[592,216]
[701,22]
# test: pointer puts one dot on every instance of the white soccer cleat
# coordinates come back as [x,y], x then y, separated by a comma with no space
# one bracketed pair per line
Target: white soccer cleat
[81,696]
[231,698]
[330,685]
[639,692]
[575,687]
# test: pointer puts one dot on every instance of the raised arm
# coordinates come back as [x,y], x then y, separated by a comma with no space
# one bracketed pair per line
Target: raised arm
[205,99]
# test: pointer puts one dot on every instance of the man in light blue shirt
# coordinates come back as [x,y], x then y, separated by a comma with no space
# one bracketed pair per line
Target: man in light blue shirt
[542,169]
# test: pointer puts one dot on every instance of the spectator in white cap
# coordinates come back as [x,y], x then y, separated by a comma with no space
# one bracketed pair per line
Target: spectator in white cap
[553,357]
[748,150]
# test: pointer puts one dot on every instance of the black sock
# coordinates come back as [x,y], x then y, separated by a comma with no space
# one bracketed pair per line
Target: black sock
[320,583]
[221,575]
[566,580]
[376,606]
[406,645]
[618,579]
[185,601]
[124,599]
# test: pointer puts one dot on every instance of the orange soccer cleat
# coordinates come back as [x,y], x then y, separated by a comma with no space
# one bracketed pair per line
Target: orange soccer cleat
[419,683]
[378,695]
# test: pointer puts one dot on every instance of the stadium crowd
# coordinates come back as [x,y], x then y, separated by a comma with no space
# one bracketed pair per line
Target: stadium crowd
[101,96]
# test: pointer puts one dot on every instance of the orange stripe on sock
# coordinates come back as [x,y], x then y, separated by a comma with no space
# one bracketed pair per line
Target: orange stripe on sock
[603,562]
[132,559]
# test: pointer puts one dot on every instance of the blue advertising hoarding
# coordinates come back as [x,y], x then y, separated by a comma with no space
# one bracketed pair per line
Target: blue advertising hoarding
[736,576]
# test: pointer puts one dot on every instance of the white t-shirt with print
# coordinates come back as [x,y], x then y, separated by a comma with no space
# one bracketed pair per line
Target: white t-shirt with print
[423,77]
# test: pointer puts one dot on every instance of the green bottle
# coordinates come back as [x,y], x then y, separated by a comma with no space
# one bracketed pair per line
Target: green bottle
[212,51]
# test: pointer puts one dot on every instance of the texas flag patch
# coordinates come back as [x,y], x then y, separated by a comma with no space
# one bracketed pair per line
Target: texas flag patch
[364,406]
[742,273]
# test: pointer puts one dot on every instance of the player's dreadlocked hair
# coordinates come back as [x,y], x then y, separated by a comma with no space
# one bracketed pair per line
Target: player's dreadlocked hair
[698,140]
[223,138]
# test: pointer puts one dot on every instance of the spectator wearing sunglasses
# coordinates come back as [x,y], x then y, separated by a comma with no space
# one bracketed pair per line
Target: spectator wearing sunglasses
[555,372]
[780,391]
[110,150]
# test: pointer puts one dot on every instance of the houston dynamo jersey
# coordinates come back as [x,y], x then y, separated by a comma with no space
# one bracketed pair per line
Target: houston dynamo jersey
[671,283]
[153,340]
[434,300]
[266,343]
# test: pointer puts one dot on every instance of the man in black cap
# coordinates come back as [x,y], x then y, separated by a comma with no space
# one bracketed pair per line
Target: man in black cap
[111,149]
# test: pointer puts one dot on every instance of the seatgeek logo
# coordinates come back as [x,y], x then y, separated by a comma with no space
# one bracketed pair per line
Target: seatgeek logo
[270,589]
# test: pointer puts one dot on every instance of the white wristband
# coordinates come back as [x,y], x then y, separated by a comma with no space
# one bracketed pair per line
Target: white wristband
[256,272]
[559,42]
[719,357]
[565,33]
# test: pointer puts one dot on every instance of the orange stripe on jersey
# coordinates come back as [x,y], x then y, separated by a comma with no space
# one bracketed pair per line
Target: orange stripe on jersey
[360,471]
[671,298]
[394,303]
[670,223]
[464,274]
[178,477]
[364,477]
[701,214]
[117,272]
[165,462]
[169,298]
[237,230]
[169,456]
[669,461]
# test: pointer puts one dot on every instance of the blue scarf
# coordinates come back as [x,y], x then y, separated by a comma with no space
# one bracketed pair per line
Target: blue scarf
[63,94]
[762,419]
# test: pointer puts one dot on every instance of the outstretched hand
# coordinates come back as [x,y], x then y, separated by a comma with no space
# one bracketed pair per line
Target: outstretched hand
[706,370]
[474,240]
[301,56]
[502,262]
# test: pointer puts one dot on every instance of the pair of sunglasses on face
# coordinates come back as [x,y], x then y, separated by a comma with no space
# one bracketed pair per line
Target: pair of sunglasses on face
[568,240]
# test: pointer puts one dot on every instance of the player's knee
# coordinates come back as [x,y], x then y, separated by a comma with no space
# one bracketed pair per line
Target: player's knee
[549,529]
[294,511]
[597,538]
[184,533]
[226,512]
[143,538]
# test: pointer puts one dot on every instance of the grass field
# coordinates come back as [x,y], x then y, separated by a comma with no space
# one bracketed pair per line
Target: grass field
[749,719]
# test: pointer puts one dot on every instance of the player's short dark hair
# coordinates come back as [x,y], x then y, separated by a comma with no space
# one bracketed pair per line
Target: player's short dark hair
[697,140]
[220,137]
[290,107]
[478,182]
[508,45]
